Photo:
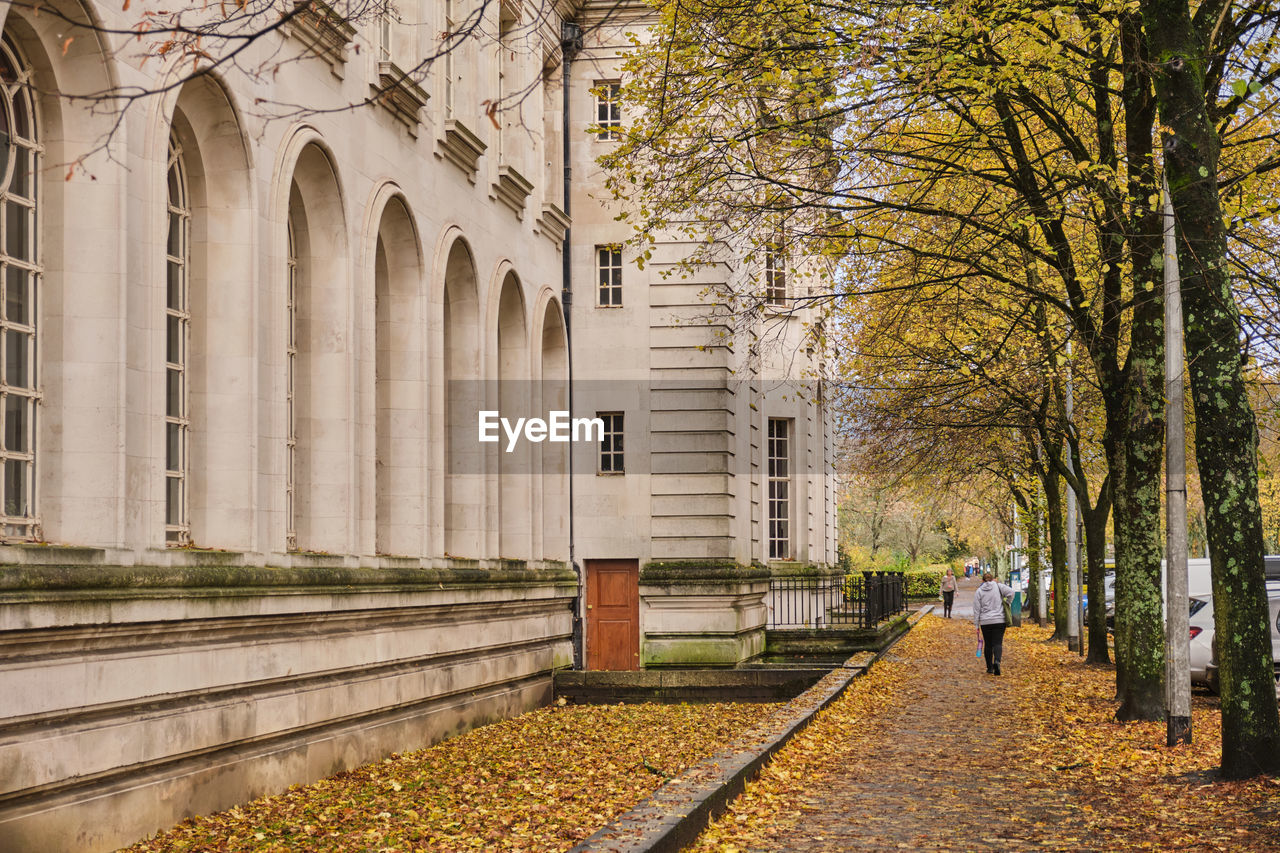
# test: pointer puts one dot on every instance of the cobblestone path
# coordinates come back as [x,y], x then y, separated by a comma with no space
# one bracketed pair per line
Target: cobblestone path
[947,775]
[938,769]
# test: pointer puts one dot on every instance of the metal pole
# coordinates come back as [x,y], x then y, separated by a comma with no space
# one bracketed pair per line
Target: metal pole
[1015,572]
[1042,590]
[1073,550]
[1177,616]
[570,44]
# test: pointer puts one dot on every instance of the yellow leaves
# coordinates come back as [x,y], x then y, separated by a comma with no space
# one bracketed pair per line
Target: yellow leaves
[540,782]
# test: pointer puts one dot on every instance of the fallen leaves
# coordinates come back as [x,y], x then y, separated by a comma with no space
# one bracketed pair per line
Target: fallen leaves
[542,781]
[927,753]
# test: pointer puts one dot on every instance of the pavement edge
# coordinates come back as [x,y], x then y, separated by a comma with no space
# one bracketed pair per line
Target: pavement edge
[676,813]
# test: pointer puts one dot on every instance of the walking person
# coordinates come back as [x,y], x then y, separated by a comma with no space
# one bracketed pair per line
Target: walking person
[989,616]
[948,592]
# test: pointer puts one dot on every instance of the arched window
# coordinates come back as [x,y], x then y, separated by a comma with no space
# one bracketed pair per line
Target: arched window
[19,286]
[177,411]
[291,415]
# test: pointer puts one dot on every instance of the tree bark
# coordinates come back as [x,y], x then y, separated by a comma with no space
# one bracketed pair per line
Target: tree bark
[1226,433]
[1033,557]
[1057,550]
[1095,539]
[1139,544]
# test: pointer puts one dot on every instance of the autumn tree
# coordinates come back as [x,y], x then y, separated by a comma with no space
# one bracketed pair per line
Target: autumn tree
[952,134]
[1216,68]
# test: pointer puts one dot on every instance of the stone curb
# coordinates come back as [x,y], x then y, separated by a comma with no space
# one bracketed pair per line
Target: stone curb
[676,813]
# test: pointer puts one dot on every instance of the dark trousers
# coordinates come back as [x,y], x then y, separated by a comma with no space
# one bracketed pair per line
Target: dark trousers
[992,643]
[948,596]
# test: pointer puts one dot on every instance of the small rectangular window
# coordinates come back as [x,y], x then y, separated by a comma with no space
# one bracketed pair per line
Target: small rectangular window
[450,44]
[775,273]
[384,36]
[779,484]
[611,443]
[609,276]
[608,110]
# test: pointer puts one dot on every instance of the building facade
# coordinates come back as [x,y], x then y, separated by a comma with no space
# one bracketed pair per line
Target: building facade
[250,535]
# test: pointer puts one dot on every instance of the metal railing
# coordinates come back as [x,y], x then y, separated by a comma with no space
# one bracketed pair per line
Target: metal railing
[852,601]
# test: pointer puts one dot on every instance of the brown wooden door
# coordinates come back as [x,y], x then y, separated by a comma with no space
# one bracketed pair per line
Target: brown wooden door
[613,614]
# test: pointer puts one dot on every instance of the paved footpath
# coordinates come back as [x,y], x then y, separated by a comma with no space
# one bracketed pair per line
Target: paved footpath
[941,778]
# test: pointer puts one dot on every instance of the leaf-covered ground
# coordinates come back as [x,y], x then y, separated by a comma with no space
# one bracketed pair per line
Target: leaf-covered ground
[540,782]
[927,752]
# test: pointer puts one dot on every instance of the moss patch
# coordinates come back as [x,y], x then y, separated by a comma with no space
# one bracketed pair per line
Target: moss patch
[694,571]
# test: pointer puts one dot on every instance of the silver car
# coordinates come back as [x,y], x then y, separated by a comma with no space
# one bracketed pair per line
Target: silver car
[1273,601]
[1201,638]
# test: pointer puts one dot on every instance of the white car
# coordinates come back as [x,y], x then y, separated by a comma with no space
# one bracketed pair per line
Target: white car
[1273,601]
[1201,638]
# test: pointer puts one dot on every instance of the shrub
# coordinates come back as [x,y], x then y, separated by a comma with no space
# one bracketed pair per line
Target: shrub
[924,581]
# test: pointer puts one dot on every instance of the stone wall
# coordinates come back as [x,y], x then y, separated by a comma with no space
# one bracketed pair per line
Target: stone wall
[133,697]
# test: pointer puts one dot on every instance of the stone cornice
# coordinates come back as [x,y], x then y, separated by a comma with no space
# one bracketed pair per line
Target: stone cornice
[512,189]
[21,581]
[325,33]
[461,147]
[400,95]
[553,223]
[700,571]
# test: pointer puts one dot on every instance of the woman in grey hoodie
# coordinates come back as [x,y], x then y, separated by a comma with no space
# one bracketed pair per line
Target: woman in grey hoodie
[988,615]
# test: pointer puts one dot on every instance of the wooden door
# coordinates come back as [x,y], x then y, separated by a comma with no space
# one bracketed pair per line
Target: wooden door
[613,614]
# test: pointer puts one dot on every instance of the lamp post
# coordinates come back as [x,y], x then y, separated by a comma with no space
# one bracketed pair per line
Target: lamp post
[1073,551]
[1177,611]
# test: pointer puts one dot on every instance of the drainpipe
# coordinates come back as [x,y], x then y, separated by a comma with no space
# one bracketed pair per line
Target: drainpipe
[570,44]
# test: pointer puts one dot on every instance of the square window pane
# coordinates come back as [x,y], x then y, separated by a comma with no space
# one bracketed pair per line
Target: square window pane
[16,411]
[173,394]
[173,447]
[173,500]
[20,184]
[173,286]
[17,363]
[173,344]
[17,223]
[16,299]
[21,121]
[174,244]
[15,488]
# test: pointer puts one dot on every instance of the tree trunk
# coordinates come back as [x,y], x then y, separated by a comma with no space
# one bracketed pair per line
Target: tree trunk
[1226,434]
[1139,611]
[1095,539]
[1138,562]
[1033,558]
[1057,551]
[1119,507]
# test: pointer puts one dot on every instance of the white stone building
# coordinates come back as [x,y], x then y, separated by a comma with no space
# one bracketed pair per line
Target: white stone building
[250,537]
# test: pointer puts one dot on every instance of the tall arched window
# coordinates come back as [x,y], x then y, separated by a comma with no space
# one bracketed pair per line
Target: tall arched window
[19,286]
[177,420]
[290,380]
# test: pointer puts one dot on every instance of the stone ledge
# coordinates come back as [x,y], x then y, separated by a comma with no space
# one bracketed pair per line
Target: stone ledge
[512,189]
[153,730]
[461,147]
[68,578]
[400,95]
[699,571]
[106,814]
[324,33]
[803,570]
[554,223]
[685,685]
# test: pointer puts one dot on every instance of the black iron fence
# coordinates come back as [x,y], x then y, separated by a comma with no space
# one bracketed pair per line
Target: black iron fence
[852,601]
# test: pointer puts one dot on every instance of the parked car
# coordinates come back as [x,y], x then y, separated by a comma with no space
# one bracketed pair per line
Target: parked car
[1201,648]
[1273,600]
